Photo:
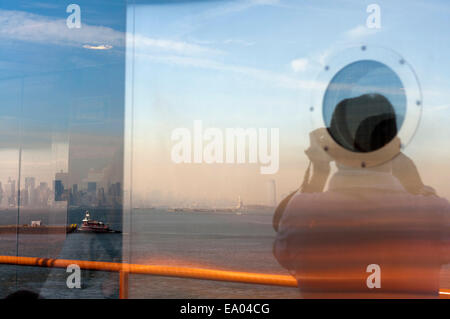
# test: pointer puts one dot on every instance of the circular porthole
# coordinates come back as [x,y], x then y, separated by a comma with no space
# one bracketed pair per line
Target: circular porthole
[368,102]
[364,106]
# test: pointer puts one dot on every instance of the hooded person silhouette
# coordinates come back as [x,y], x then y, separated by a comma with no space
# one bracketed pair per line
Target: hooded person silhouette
[381,217]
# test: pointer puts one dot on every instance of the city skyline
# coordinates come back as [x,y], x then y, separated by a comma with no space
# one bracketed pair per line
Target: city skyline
[90,192]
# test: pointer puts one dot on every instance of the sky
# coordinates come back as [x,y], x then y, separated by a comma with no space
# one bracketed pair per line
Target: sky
[113,92]
[249,64]
[257,64]
[56,91]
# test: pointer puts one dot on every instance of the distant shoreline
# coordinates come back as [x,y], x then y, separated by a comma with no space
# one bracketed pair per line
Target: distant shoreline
[26,229]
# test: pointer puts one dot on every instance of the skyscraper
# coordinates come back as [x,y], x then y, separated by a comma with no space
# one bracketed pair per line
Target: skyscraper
[61,186]
[29,196]
[10,190]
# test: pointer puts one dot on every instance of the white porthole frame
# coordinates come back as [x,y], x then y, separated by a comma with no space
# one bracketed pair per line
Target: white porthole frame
[414,105]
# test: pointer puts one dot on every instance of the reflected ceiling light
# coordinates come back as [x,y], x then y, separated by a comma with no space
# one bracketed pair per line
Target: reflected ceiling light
[97,47]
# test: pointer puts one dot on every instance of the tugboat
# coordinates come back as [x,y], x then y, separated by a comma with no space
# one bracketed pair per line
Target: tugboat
[94,226]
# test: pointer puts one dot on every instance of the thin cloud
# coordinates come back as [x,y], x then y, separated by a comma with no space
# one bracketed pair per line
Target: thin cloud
[237,6]
[360,31]
[277,79]
[355,34]
[299,65]
[179,47]
[194,21]
[229,41]
[24,26]
[239,42]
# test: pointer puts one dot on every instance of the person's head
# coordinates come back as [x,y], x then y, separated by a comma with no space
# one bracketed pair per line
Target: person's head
[364,123]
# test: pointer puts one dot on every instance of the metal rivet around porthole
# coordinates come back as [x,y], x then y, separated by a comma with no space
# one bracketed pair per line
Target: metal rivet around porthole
[325,148]
[418,103]
[363,164]
[402,61]
[311,108]
[327,67]
[363,48]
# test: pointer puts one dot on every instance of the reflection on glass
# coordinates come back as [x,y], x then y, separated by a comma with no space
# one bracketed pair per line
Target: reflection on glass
[365,77]
[61,147]
[9,161]
[383,216]
[364,124]
[206,68]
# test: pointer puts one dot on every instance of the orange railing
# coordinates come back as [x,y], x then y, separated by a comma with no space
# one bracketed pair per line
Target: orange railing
[125,269]
[171,271]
